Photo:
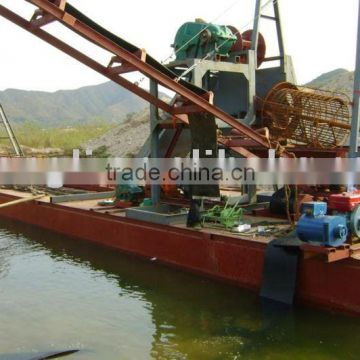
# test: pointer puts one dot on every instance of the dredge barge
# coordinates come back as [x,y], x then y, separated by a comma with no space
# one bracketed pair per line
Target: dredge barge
[223,99]
[213,253]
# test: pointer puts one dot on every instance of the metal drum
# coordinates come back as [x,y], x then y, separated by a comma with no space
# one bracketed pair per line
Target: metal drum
[311,117]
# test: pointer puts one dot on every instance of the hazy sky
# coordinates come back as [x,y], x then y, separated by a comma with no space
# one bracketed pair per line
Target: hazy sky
[319,34]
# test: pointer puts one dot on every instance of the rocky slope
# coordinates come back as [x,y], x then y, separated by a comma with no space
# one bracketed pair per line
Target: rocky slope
[338,80]
[125,140]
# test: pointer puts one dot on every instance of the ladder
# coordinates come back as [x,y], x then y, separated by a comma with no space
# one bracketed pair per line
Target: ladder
[276,18]
[9,133]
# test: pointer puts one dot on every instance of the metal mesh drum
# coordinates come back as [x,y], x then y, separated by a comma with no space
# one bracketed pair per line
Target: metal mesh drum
[316,118]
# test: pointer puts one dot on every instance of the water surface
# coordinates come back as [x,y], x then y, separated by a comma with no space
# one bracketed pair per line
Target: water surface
[61,293]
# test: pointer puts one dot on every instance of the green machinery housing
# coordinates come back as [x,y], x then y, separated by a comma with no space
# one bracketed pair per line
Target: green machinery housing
[197,39]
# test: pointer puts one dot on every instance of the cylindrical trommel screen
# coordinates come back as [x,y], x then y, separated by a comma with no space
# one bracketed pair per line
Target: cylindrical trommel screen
[307,116]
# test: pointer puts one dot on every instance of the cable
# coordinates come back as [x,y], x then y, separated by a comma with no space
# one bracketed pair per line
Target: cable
[174,52]
[209,54]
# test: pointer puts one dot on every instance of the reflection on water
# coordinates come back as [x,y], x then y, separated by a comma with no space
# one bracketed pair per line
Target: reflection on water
[58,293]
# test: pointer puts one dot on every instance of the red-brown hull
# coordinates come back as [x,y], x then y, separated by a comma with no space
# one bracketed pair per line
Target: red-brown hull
[238,261]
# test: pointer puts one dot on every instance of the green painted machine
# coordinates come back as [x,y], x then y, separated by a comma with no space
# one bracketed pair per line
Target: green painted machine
[228,216]
[128,192]
[197,39]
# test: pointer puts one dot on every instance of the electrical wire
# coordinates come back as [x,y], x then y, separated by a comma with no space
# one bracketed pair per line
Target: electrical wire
[175,51]
[211,53]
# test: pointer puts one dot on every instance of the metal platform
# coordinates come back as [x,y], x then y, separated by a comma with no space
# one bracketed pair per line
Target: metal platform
[162,214]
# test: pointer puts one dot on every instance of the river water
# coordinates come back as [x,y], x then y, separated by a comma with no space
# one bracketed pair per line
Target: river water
[58,293]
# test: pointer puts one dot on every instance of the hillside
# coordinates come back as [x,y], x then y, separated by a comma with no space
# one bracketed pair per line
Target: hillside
[337,80]
[125,140]
[128,138]
[107,102]
[110,103]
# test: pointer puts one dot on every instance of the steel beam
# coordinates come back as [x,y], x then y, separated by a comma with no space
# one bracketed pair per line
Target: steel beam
[10,133]
[145,68]
[74,53]
[279,32]
[187,109]
[173,142]
[81,197]
[40,19]
[155,141]
[354,135]
[194,102]
[255,33]
[124,68]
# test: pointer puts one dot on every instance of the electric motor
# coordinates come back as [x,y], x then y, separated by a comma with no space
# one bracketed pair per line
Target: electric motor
[317,228]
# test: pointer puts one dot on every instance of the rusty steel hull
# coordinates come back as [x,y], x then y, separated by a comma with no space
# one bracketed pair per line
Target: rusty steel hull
[236,261]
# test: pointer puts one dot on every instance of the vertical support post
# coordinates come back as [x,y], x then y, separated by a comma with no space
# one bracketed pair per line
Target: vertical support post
[9,131]
[252,61]
[355,123]
[251,77]
[279,33]
[255,33]
[251,191]
[197,75]
[154,143]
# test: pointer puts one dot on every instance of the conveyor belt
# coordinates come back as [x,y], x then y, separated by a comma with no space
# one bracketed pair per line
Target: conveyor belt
[130,47]
[194,99]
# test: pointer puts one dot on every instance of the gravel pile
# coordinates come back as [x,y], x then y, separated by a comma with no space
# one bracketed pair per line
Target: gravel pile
[127,139]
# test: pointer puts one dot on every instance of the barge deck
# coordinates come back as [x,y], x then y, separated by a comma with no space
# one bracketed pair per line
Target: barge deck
[214,253]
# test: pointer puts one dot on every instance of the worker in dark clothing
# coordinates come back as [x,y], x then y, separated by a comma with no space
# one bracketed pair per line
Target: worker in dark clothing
[194,215]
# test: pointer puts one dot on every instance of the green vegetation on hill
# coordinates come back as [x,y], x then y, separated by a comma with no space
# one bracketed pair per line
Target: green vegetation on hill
[30,134]
[107,102]
[104,116]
